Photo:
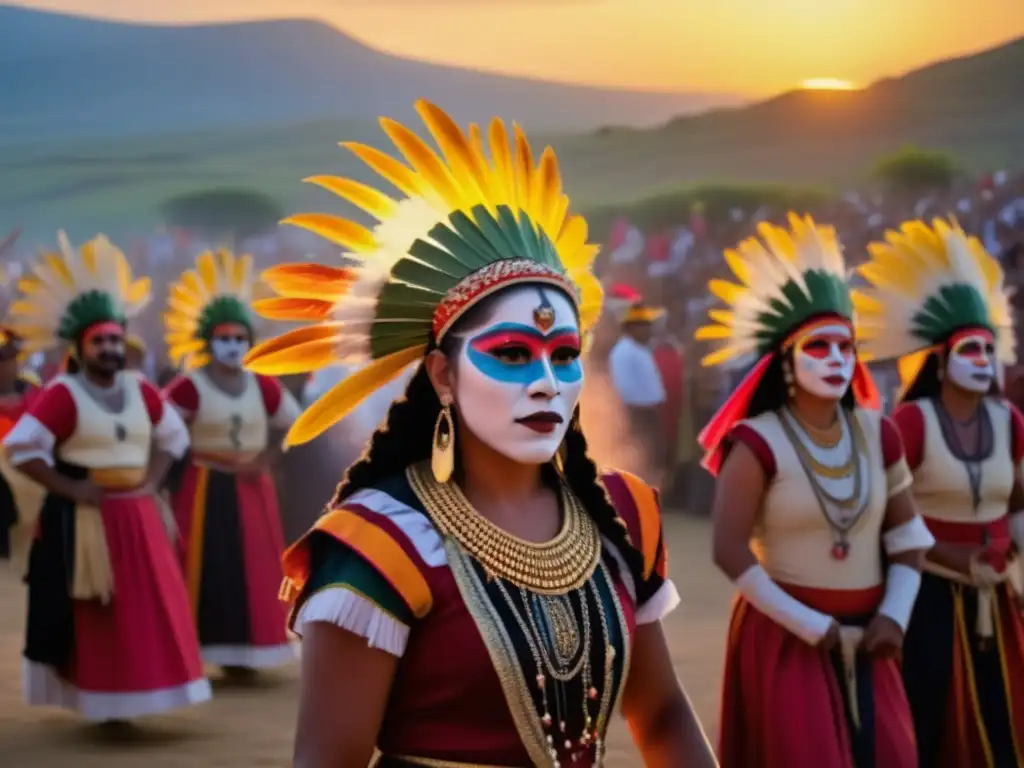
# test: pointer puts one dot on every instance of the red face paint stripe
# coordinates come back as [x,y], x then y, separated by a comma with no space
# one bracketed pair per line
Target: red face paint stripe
[535,343]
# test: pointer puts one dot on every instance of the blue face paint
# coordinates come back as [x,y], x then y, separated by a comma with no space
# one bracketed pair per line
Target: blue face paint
[519,354]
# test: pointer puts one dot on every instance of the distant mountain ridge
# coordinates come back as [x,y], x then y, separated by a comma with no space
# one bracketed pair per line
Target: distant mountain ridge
[66,75]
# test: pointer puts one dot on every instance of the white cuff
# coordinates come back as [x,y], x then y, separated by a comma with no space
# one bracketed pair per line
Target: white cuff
[908,536]
[171,434]
[769,598]
[660,605]
[29,440]
[1017,529]
[901,585]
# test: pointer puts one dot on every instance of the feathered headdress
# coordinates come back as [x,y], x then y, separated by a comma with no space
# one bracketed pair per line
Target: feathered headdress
[470,223]
[217,291]
[69,291]
[925,284]
[787,278]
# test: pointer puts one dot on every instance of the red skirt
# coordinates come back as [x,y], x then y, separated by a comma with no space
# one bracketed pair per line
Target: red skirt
[230,549]
[137,655]
[783,703]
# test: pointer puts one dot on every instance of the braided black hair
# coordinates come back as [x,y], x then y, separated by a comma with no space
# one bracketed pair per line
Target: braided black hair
[406,437]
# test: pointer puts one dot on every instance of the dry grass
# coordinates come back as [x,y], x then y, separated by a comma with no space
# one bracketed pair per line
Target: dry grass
[251,727]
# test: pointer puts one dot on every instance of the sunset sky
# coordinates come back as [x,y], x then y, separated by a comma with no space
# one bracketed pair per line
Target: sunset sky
[746,47]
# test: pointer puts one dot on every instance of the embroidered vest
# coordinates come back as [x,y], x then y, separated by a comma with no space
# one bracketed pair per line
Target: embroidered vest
[229,425]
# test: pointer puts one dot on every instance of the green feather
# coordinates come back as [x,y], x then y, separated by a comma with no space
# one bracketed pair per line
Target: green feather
[471,235]
[223,309]
[951,308]
[829,295]
[86,310]
[419,275]
[436,258]
[464,245]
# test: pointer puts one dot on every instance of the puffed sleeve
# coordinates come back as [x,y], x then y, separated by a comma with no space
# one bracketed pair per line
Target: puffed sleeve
[750,437]
[282,407]
[909,422]
[898,476]
[638,506]
[170,434]
[363,570]
[50,418]
[183,395]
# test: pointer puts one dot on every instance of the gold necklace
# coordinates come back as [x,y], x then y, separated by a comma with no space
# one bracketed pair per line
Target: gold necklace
[827,438]
[553,568]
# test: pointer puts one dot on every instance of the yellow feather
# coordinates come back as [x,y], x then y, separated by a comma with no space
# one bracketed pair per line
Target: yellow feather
[206,267]
[139,291]
[712,332]
[293,309]
[572,240]
[730,293]
[339,401]
[349,235]
[738,266]
[523,169]
[722,316]
[293,338]
[375,203]
[504,184]
[425,162]
[719,356]
[468,167]
[390,169]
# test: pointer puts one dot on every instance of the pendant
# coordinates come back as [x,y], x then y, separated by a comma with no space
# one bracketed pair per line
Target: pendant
[840,550]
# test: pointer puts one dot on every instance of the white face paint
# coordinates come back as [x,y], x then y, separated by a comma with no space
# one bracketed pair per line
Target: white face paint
[229,344]
[519,376]
[824,361]
[971,363]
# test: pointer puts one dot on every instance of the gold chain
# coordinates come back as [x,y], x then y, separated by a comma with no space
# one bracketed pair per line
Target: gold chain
[553,568]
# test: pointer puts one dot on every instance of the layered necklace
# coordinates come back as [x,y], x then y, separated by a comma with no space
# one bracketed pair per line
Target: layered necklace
[555,595]
[834,462]
[973,460]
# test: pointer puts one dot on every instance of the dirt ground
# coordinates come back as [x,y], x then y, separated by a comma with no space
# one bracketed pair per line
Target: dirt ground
[253,726]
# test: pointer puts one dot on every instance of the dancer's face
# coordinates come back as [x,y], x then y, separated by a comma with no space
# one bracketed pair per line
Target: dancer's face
[824,360]
[518,376]
[971,362]
[229,344]
[102,350]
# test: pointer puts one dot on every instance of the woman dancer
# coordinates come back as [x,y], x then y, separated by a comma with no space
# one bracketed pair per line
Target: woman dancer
[489,596]
[812,519]
[109,631]
[937,304]
[226,503]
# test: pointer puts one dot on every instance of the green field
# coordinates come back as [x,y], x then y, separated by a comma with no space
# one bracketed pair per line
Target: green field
[972,107]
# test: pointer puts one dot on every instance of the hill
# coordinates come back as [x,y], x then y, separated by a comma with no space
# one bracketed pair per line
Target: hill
[81,77]
[973,107]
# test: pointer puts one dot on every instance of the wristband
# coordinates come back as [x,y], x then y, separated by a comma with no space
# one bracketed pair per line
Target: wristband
[770,599]
[908,536]
[901,586]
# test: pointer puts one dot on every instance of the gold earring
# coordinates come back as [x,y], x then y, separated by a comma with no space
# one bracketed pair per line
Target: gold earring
[442,458]
[787,376]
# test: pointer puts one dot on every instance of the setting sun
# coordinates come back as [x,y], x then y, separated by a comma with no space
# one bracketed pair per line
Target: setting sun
[827,84]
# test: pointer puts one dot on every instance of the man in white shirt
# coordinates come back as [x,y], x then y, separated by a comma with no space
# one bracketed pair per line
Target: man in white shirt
[637,380]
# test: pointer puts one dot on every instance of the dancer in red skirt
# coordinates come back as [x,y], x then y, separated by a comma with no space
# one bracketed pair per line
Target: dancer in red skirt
[109,631]
[226,502]
[812,519]
[938,305]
